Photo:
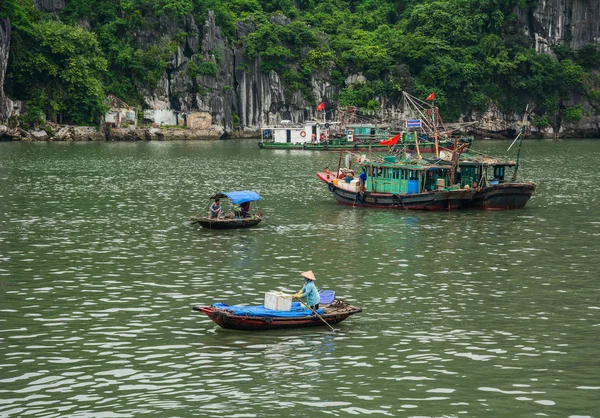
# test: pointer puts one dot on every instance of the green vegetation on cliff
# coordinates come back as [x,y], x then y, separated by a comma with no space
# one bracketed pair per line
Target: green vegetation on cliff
[469,52]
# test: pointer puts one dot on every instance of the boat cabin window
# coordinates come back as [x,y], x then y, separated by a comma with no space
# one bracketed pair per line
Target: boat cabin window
[396,173]
[499,172]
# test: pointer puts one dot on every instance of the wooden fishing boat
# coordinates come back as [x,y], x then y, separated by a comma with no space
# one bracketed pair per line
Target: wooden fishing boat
[316,136]
[435,184]
[240,215]
[258,318]
[226,222]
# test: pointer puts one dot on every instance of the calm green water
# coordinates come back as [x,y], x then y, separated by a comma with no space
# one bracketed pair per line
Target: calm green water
[465,313]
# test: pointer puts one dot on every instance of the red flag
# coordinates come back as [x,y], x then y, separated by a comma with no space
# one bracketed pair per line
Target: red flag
[391,141]
[321,106]
[431,97]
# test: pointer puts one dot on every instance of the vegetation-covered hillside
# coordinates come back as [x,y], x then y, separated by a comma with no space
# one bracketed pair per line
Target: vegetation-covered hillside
[469,52]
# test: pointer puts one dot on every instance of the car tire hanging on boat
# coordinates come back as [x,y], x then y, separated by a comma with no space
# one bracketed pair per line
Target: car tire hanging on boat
[331,187]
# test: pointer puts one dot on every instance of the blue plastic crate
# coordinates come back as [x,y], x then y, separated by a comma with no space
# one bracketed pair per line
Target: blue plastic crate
[326,296]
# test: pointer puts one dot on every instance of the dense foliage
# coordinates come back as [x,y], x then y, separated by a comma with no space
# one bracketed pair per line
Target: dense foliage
[469,52]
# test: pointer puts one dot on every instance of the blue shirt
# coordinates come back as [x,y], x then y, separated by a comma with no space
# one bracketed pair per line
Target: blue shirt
[310,292]
[215,210]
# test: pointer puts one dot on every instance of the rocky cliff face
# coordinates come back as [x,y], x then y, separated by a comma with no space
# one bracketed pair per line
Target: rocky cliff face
[574,23]
[5,103]
[239,92]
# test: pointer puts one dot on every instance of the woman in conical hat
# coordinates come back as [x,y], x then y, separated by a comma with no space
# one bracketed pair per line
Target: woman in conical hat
[309,290]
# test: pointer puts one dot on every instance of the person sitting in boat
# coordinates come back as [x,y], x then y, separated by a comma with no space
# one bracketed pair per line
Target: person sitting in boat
[245,210]
[215,208]
[309,291]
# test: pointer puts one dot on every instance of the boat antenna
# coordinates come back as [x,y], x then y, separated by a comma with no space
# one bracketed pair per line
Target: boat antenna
[522,135]
[523,122]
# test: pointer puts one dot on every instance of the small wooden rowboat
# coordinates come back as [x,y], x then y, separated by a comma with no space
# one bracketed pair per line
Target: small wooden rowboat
[234,317]
[227,222]
[240,214]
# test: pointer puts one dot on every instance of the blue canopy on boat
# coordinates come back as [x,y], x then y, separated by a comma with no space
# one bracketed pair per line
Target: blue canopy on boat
[297,310]
[239,197]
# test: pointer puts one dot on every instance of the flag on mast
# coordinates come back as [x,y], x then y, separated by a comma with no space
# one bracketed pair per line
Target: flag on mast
[391,141]
[321,106]
[430,97]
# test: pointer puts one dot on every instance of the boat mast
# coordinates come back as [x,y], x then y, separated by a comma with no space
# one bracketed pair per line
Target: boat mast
[521,134]
[435,130]
[514,176]
[453,165]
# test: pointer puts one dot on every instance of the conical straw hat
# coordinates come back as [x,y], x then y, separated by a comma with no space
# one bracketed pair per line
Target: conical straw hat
[309,275]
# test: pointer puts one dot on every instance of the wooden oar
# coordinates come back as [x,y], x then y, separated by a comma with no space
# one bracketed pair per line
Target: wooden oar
[315,312]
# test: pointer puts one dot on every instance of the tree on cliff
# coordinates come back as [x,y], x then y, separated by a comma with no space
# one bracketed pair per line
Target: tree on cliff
[56,68]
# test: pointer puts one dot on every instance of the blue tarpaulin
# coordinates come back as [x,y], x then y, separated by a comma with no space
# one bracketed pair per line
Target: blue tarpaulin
[297,310]
[242,196]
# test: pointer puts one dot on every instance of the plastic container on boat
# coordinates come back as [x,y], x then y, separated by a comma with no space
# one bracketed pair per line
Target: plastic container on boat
[278,301]
[326,296]
[493,182]
[441,184]
[413,187]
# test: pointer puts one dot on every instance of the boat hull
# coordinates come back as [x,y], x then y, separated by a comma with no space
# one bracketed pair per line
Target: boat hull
[334,313]
[353,146]
[320,146]
[233,223]
[503,196]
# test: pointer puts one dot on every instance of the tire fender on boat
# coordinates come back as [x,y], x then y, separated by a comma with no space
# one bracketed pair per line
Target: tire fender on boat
[360,197]
[331,187]
[396,199]
[326,145]
[355,147]
[302,134]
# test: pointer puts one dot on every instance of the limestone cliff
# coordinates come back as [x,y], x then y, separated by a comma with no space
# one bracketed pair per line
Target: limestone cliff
[5,103]
[573,23]
[239,98]
[240,88]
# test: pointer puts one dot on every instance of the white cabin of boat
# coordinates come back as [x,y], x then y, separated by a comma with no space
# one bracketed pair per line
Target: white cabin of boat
[299,133]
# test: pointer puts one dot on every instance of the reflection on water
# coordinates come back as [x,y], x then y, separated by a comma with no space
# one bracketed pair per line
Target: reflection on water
[464,312]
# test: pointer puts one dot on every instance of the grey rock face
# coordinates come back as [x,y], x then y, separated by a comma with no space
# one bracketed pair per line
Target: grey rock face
[49,6]
[5,102]
[574,23]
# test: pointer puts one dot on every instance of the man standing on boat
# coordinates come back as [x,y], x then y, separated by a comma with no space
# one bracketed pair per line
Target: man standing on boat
[309,291]
[363,180]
